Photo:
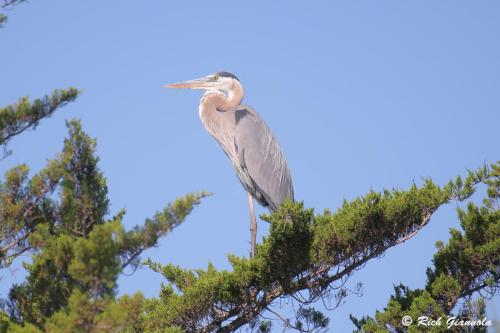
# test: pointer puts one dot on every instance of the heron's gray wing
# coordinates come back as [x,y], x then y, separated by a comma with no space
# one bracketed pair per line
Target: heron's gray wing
[263,170]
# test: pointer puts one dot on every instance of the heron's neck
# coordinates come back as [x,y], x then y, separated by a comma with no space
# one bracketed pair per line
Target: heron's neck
[213,107]
[222,101]
[235,95]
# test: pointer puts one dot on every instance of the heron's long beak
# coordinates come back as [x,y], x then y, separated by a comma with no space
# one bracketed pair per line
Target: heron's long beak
[201,83]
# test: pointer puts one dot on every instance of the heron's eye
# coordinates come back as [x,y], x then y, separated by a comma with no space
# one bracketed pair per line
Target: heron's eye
[215,77]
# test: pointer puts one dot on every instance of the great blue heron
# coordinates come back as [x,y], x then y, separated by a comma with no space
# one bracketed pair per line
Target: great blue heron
[255,154]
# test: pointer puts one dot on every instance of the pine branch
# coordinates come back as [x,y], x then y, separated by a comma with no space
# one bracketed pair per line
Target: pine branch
[469,263]
[5,5]
[144,237]
[23,115]
[317,280]
[24,204]
[304,252]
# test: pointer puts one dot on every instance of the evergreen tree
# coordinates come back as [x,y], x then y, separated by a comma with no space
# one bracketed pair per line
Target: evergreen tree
[79,252]
[25,203]
[309,257]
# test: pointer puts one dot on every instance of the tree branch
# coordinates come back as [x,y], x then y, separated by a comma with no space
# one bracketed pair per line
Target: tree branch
[314,279]
[303,252]
[15,119]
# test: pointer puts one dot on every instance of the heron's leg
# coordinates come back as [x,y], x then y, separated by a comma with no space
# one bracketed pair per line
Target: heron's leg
[253,224]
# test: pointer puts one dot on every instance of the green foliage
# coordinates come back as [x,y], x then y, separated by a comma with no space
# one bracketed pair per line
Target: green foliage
[30,214]
[74,251]
[15,119]
[468,263]
[39,297]
[96,261]
[28,328]
[308,319]
[307,252]
[142,237]
[25,204]
[85,314]
[286,252]
[27,209]
[84,201]
[79,254]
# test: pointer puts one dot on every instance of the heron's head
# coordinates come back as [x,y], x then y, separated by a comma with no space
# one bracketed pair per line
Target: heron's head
[221,81]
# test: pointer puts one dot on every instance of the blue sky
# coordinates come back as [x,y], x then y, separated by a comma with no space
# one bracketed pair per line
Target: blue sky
[360,94]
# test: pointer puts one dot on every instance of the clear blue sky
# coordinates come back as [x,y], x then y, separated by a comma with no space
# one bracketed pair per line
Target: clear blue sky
[361,95]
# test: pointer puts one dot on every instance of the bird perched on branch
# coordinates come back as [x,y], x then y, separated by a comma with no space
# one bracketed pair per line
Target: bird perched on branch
[254,152]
